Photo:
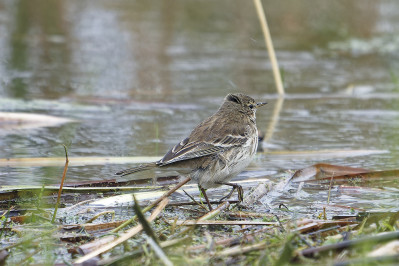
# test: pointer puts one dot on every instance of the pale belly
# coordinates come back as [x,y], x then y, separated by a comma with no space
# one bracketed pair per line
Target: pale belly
[223,170]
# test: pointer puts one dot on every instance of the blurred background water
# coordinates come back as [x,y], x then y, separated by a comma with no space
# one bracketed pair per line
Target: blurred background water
[137,76]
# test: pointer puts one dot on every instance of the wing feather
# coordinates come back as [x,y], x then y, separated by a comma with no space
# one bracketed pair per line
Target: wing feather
[210,137]
[186,150]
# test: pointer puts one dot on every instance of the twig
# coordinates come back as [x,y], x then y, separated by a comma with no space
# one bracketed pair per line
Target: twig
[215,212]
[328,197]
[93,245]
[192,198]
[101,213]
[11,190]
[257,193]
[149,207]
[382,237]
[270,48]
[207,216]
[317,224]
[197,222]
[70,208]
[193,203]
[242,214]
[130,233]
[62,183]
[89,227]
[329,189]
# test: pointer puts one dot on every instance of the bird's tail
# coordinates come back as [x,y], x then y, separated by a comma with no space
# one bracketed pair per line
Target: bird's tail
[141,167]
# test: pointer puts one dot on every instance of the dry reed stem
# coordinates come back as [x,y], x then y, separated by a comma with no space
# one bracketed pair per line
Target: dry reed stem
[205,217]
[270,48]
[274,120]
[89,227]
[101,214]
[197,222]
[149,207]
[62,184]
[130,233]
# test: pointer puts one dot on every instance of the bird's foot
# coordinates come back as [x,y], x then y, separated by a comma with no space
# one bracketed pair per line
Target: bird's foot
[227,196]
[240,192]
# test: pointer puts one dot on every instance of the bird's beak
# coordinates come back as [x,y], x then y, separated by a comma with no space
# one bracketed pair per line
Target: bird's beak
[260,104]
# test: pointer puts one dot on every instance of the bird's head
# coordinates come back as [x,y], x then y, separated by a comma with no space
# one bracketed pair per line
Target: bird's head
[241,103]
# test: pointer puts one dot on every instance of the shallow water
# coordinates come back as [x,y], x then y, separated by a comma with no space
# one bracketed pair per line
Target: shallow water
[138,76]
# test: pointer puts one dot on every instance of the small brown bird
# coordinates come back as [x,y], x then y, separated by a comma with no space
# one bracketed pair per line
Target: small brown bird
[217,149]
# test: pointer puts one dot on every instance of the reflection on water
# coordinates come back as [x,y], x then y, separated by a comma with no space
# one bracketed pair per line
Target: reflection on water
[139,75]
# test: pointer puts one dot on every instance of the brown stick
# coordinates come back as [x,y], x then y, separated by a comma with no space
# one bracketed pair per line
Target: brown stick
[130,233]
[62,184]
[149,207]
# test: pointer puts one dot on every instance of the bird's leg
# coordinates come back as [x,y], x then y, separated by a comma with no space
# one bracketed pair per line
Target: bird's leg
[240,191]
[228,195]
[203,191]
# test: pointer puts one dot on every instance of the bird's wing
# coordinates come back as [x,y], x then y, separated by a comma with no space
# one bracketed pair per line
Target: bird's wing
[187,150]
[210,137]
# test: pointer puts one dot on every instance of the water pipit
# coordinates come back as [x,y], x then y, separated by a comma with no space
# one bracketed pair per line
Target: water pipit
[218,149]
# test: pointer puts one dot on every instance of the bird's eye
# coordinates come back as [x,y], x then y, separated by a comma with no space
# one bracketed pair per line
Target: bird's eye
[251,106]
